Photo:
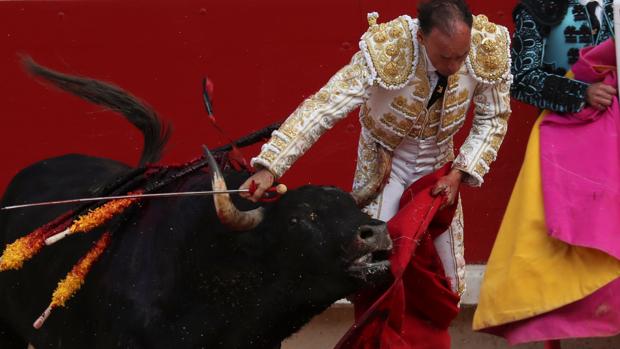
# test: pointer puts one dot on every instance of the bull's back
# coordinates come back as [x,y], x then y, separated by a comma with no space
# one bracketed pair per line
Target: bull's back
[26,292]
[64,177]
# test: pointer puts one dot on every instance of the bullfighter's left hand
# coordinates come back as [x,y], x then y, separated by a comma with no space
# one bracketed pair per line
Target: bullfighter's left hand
[448,185]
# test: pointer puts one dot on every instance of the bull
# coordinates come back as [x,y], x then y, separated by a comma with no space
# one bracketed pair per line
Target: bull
[181,272]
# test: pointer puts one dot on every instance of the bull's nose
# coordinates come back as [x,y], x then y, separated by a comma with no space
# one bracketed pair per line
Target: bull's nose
[375,235]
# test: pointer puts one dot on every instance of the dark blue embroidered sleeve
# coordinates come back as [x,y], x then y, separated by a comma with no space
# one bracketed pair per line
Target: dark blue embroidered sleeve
[533,85]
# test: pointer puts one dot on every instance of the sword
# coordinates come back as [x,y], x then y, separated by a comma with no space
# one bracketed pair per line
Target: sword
[130,196]
[281,189]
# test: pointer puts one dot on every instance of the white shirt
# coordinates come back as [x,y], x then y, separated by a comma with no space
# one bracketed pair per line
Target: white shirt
[431,71]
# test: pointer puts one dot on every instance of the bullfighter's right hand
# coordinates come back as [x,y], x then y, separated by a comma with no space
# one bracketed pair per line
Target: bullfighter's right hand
[263,180]
[599,95]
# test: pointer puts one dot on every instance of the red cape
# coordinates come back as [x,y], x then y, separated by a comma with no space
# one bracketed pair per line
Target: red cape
[417,308]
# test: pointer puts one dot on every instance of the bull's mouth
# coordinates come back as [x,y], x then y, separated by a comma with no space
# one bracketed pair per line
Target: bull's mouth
[372,264]
[372,246]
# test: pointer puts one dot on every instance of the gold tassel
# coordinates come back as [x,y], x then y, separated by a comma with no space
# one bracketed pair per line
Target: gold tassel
[24,248]
[100,215]
[74,280]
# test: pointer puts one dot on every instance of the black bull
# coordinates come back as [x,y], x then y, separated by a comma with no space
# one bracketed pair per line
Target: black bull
[173,275]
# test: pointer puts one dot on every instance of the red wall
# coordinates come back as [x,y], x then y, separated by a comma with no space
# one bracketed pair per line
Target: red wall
[264,57]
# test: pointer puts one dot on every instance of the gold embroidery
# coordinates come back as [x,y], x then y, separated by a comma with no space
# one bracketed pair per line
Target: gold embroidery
[476,39]
[289,128]
[504,87]
[322,96]
[454,99]
[412,109]
[278,143]
[368,122]
[427,124]
[400,125]
[480,21]
[490,27]
[496,141]
[390,140]
[435,114]
[309,105]
[268,155]
[453,81]
[480,170]
[430,131]
[391,52]
[343,85]
[390,118]
[372,19]
[504,117]
[379,37]
[422,85]
[391,69]
[488,157]
[453,116]
[444,135]
[395,32]
[405,125]
[489,54]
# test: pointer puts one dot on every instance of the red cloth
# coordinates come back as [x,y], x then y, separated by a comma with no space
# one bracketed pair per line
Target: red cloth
[417,308]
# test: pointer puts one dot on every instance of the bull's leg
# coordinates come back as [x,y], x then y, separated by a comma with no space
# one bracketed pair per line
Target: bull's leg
[10,339]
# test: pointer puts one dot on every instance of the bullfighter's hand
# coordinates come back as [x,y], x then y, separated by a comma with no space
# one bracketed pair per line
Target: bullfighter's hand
[599,95]
[448,185]
[263,180]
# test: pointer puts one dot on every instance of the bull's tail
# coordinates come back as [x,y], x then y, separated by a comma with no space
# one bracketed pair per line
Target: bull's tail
[156,133]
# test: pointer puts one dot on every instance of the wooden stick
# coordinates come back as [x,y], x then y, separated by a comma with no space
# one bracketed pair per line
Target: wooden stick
[41,320]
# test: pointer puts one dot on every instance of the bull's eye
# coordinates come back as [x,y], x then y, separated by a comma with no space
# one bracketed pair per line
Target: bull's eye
[313,216]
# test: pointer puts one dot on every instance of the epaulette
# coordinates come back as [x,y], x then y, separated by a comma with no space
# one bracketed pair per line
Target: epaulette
[489,56]
[391,51]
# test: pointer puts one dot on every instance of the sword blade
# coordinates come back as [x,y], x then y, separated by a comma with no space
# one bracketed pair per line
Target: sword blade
[132,196]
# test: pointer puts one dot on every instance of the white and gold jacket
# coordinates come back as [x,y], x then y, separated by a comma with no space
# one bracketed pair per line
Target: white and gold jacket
[388,79]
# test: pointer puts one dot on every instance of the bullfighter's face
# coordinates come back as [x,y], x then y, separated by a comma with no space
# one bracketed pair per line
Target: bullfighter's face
[447,51]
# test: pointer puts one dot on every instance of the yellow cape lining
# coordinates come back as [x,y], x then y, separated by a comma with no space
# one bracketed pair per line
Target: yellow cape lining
[530,273]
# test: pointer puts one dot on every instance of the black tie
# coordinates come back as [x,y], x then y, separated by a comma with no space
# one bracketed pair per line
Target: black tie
[439,90]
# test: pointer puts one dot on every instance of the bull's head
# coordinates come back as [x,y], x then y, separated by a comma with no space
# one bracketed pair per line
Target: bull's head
[325,223]
[333,234]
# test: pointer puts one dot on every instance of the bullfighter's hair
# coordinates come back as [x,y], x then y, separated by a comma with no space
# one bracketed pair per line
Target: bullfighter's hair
[156,133]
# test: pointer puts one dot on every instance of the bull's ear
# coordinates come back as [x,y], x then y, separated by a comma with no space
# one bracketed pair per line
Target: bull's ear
[226,211]
[364,195]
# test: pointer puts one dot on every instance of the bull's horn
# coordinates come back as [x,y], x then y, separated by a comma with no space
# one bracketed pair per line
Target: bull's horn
[228,214]
[364,195]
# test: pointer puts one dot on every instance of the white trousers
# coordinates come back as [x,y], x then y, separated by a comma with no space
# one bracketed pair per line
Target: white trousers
[412,160]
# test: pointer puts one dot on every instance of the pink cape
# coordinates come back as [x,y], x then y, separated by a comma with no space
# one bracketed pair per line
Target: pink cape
[580,165]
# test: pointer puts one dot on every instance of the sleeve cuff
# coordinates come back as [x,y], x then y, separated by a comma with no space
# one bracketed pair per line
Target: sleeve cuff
[259,163]
[471,178]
